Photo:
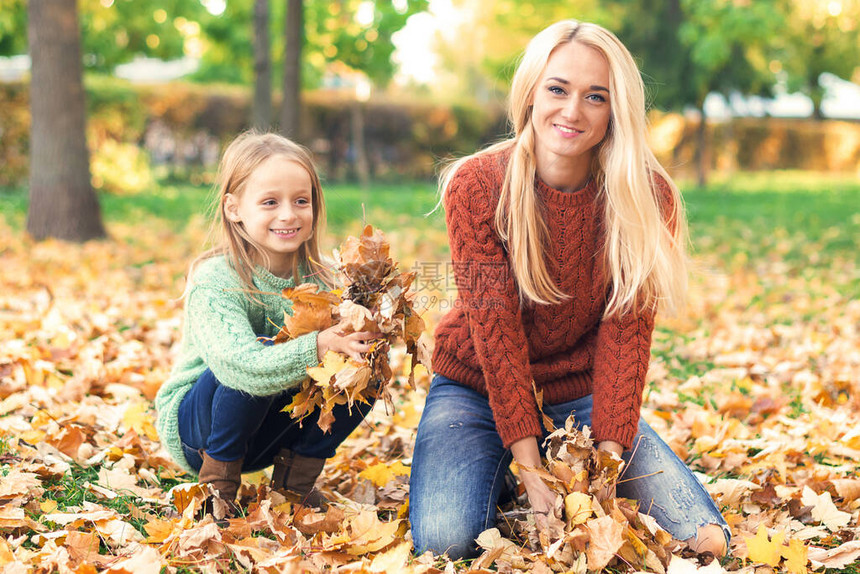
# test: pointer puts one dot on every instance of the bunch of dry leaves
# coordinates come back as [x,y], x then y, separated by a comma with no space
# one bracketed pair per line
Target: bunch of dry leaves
[375,299]
[590,529]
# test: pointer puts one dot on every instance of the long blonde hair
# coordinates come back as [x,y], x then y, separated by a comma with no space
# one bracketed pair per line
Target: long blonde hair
[645,234]
[244,155]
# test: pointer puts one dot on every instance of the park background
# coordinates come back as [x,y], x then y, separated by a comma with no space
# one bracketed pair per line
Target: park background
[107,152]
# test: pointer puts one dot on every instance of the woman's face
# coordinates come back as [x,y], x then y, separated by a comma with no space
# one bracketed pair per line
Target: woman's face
[571,107]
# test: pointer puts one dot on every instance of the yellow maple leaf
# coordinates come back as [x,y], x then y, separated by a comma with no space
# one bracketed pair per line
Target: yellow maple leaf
[763,549]
[159,530]
[332,363]
[304,402]
[795,555]
[381,474]
[138,418]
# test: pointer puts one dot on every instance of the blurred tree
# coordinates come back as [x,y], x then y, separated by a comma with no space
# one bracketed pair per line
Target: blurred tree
[262,109]
[115,31]
[688,49]
[358,33]
[649,29]
[355,32]
[294,34]
[13,21]
[821,36]
[730,45]
[62,201]
[478,56]
[227,36]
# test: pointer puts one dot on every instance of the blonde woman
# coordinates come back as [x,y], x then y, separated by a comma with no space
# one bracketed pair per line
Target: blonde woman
[564,240]
[220,412]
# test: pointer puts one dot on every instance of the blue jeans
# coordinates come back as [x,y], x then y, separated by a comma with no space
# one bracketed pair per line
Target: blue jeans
[459,465]
[229,425]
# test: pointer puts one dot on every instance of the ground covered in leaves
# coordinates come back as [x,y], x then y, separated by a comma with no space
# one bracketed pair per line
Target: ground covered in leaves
[757,387]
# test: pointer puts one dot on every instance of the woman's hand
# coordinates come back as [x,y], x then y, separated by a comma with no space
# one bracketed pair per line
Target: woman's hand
[352,345]
[541,498]
[616,448]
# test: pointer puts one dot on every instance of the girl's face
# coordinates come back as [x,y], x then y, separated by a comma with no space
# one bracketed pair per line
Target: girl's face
[571,107]
[276,208]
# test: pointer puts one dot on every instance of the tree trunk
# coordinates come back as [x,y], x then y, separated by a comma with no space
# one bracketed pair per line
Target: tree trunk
[293,29]
[63,203]
[816,94]
[701,148]
[262,119]
[360,152]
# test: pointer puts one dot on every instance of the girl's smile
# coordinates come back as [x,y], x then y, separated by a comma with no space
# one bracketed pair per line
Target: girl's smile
[276,210]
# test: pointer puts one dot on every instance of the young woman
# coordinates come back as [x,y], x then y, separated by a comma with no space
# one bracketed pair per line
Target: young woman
[220,412]
[564,239]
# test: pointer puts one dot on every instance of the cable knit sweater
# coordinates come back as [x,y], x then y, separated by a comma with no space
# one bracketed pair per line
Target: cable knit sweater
[220,333]
[491,343]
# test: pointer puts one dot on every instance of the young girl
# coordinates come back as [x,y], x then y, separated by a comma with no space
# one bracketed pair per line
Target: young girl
[564,240]
[220,412]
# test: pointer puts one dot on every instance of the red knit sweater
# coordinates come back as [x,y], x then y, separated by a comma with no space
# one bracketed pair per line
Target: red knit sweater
[493,345]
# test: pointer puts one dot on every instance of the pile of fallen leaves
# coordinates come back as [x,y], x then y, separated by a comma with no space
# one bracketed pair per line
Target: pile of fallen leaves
[590,529]
[757,388]
[375,299]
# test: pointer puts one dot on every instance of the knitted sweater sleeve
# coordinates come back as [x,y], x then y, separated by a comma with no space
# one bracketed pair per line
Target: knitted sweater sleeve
[487,290]
[219,330]
[623,352]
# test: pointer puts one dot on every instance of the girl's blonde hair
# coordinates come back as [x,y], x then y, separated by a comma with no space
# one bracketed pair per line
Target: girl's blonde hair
[240,159]
[645,234]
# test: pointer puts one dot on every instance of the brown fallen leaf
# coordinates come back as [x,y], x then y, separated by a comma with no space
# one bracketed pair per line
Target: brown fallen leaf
[606,538]
[839,557]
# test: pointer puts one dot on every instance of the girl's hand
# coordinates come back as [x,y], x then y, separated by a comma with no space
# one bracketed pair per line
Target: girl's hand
[352,345]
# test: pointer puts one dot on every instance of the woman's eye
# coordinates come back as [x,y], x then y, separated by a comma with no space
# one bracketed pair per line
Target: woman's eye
[597,98]
[556,90]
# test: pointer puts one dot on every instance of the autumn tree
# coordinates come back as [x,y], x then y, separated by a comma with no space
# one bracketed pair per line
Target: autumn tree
[478,57]
[114,32]
[63,203]
[729,46]
[355,32]
[820,37]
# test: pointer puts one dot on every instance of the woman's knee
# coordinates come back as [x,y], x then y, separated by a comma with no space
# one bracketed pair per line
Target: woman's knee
[455,538]
[709,539]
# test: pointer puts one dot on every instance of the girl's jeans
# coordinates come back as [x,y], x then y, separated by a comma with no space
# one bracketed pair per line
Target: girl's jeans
[459,465]
[229,425]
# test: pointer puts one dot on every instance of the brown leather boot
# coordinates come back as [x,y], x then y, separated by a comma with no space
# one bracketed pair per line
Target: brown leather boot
[225,478]
[295,475]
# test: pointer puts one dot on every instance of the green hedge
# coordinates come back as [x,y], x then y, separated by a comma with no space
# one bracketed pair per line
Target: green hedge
[179,128]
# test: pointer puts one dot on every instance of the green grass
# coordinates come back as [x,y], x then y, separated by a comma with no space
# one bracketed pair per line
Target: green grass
[177,204]
[806,219]
[69,491]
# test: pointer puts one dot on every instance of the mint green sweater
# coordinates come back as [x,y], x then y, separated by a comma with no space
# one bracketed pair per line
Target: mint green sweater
[220,333]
